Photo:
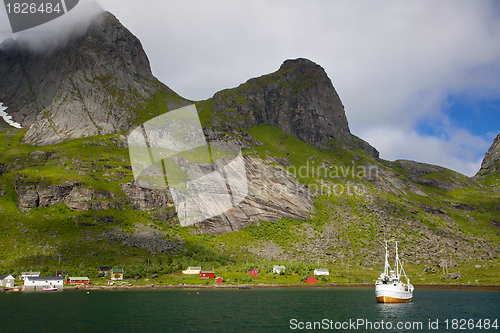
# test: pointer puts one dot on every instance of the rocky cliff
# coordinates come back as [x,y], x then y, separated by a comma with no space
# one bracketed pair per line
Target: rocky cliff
[491,160]
[89,84]
[299,99]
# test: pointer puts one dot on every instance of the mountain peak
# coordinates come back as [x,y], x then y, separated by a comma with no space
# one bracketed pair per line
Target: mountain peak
[491,160]
[299,99]
[299,62]
[88,84]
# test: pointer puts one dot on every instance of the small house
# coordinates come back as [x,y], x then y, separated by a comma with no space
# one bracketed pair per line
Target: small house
[192,270]
[219,280]
[41,282]
[253,272]
[59,273]
[7,281]
[278,269]
[207,274]
[321,271]
[78,280]
[310,279]
[117,274]
[105,270]
[110,283]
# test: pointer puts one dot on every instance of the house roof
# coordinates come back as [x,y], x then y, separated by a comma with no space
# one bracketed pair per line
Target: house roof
[307,277]
[78,278]
[278,266]
[5,276]
[44,278]
[105,268]
[321,269]
[198,268]
[252,269]
[30,274]
[207,272]
[117,270]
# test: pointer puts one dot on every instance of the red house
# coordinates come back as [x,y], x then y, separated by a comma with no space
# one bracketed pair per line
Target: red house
[310,279]
[219,280]
[207,274]
[78,280]
[253,272]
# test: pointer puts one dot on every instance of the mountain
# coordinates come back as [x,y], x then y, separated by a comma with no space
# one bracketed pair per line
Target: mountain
[89,84]
[491,161]
[299,99]
[316,192]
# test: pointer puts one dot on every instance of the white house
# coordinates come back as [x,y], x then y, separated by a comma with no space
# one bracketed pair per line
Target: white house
[278,269]
[321,271]
[192,270]
[7,281]
[41,282]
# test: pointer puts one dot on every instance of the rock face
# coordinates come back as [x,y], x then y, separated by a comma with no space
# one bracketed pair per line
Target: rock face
[299,99]
[87,85]
[146,199]
[32,195]
[272,193]
[491,161]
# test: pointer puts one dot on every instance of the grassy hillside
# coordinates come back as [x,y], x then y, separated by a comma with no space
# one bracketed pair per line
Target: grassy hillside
[359,202]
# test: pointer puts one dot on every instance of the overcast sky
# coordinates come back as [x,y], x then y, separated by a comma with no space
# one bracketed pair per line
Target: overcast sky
[419,80]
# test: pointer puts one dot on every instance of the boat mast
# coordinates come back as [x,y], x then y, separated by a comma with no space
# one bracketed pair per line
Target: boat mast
[386,265]
[397,259]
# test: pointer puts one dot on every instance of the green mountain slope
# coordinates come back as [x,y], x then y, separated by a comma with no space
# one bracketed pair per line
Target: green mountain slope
[319,196]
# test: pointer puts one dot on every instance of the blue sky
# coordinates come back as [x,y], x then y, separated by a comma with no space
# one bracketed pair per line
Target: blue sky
[479,116]
[419,79]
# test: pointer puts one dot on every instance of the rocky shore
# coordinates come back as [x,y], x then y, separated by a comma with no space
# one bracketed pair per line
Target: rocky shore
[262,285]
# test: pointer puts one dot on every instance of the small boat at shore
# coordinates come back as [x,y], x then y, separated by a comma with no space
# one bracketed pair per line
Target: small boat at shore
[49,289]
[389,288]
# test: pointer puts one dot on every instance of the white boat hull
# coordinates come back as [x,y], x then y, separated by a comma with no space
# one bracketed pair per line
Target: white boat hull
[389,293]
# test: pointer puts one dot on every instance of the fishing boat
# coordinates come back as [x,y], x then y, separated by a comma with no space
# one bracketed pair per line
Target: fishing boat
[389,288]
[49,289]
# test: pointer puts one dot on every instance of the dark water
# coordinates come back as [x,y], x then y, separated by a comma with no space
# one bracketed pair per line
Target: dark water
[254,310]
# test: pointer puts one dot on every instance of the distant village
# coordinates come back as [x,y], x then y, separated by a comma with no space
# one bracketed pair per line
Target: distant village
[32,281]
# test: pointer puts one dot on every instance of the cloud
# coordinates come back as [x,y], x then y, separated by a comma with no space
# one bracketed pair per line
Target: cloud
[462,151]
[52,33]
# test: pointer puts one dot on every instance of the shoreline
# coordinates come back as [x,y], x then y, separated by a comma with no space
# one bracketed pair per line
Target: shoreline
[255,286]
[264,286]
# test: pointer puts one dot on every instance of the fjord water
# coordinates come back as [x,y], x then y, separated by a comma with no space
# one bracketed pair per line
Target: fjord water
[233,310]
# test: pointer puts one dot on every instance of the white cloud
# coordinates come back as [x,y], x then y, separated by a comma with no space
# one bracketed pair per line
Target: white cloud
[461,152]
